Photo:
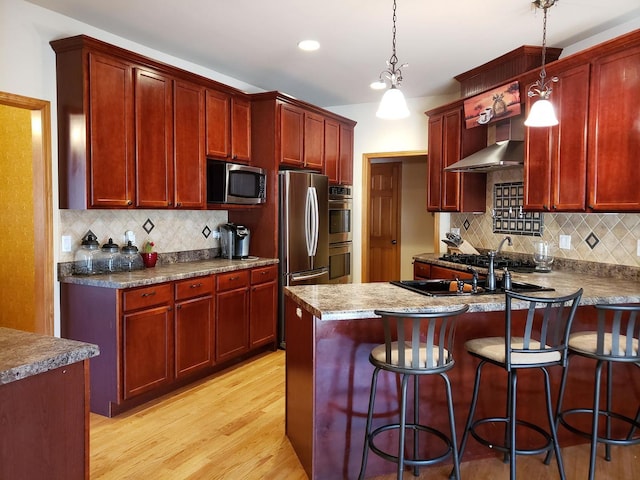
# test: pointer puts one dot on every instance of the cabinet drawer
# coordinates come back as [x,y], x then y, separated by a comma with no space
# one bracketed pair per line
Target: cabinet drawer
[448,273]
[142,297]
[194,287]
[232,280]
[263,275]
[421,270]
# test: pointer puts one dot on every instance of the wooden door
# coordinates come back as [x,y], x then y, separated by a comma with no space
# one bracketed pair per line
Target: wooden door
[110,135]
[313,141]
[154,140]
[291,135]
[384,222]
[345,165]
[331,150]
[194,335]
[614,143]
[434,164]
[240,130]
[218,128]
[147,350]
[189,156]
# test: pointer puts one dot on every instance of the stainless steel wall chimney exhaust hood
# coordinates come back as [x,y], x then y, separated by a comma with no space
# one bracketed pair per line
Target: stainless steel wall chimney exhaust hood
[506,152]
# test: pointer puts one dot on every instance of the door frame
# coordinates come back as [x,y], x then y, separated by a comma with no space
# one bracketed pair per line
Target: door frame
[42,203]
[367,159]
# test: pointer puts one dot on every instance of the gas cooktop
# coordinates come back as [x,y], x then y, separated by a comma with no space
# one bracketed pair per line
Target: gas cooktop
[476,260]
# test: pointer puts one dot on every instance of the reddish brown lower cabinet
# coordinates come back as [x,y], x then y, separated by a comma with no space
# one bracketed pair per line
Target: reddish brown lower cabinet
[194,325]
[438,272]
[232,314]
[421,271]
[263,305]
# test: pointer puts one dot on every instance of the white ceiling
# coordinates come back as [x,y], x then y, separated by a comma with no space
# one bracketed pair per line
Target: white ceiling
[256,40]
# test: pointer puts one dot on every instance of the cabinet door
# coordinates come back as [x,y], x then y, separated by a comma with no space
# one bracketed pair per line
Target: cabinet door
[421,271]
[110,134]
[331,149]
[291,135]
[240,130]
[345,168]
[434,163]
[263,311]
[556,157]
[218,127]
[194,335]
[313,141]
[232,323]
[147,350]
[452,126]
[448,273]
[614,142]
[189,156]
[154,140]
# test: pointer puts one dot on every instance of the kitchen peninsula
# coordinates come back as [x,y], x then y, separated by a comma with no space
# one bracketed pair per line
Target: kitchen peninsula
[331,329]
[44,406]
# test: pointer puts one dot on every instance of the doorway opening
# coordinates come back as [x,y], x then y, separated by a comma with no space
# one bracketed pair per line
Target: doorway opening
[26,302]
[382,259]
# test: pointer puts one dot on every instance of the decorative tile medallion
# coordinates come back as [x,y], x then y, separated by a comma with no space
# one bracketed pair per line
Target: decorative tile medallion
[508,215]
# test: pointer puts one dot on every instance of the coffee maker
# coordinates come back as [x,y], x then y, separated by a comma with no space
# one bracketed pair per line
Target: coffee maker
[234,241]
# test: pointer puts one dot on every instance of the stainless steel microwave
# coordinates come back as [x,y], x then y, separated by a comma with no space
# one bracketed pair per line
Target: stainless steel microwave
[235,183]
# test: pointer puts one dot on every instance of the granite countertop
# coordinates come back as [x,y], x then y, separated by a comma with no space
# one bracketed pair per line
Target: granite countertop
[359,300]
[23,354]
[167,273]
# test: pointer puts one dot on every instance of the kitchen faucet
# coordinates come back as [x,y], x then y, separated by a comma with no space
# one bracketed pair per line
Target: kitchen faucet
[491,275]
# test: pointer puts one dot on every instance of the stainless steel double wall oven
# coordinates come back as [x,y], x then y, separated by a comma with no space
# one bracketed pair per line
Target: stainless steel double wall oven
[340,234]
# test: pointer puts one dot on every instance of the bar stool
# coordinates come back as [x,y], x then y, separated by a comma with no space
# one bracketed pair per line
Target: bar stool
[540,342]
[615,341]
[416,344]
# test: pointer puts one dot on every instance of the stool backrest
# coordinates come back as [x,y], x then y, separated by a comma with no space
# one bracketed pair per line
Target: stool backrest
[428,336]
[544,336]
[618,333]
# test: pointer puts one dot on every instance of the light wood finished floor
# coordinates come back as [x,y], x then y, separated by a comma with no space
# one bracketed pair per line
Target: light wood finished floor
[231,426]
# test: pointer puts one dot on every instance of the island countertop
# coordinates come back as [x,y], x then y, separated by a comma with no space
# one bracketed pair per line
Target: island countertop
[167,273]
[24,354]
[359,300]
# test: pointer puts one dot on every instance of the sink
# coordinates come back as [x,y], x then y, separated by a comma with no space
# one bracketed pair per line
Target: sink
[441,288]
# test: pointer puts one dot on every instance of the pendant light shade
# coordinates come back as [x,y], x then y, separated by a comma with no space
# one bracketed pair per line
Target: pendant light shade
[542,114]
[393,106]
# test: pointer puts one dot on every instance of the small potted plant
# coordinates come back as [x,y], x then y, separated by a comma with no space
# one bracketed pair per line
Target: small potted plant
[149,257]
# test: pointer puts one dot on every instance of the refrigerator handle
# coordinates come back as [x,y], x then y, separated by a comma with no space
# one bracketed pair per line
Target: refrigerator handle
[307,222]
[316,222]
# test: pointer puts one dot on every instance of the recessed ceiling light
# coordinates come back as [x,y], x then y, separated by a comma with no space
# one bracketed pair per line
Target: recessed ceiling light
[378,85]
[309,45]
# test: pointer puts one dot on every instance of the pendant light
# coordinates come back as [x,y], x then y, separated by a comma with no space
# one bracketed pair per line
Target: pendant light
[542,113]
[393,105]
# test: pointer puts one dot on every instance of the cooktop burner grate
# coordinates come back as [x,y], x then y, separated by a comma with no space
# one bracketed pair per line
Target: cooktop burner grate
[475,260]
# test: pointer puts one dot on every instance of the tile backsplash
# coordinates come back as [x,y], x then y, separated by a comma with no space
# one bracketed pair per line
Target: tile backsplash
[169,230]
[600,238]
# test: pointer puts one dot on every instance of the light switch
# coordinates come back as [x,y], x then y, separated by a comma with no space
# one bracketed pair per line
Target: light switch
[565,242]
[638,249]
[66,243]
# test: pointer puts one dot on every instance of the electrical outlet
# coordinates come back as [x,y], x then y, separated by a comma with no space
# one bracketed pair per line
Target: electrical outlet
[565,242]
[638,248]
[66,243]
[216,234]
[455,231]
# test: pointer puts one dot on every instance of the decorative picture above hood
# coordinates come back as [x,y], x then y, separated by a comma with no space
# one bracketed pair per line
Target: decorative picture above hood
[492,106]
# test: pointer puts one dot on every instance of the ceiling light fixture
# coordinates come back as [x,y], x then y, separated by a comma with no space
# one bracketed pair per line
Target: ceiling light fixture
[542,113]
[393,105]
[309,45]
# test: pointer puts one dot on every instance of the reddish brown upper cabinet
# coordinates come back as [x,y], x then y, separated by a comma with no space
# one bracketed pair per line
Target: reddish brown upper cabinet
[189,159]
[313,141]
[292,135]
[331,149]
[614,130]
[345,164]
[555,173]
[228,127]
[449,141]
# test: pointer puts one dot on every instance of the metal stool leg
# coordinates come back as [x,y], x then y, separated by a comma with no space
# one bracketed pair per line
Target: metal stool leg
[367,432]
[403,425]
[563,384]
[416,421]
[633,427]
[452,426]
[596,410]
[511,422]
[553,423]
[607,446]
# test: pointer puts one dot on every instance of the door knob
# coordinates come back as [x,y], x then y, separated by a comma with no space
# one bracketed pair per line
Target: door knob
[393,242]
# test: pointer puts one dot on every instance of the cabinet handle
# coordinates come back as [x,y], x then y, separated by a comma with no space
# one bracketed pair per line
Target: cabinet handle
[263,273]
[195,285]
[150,294]
[233,279]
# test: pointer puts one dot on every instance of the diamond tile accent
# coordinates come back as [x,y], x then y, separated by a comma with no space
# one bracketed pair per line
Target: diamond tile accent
[148,226]
[466,224]
[206,231]
[592,240]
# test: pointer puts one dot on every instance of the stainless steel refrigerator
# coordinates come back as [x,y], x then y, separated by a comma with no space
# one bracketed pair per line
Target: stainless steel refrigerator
[304,233]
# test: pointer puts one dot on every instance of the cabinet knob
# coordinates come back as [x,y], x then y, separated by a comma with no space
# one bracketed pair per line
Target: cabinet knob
[148,294]
[169,204]
[544,207]
[129,202]
[196,285]
[178,204]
